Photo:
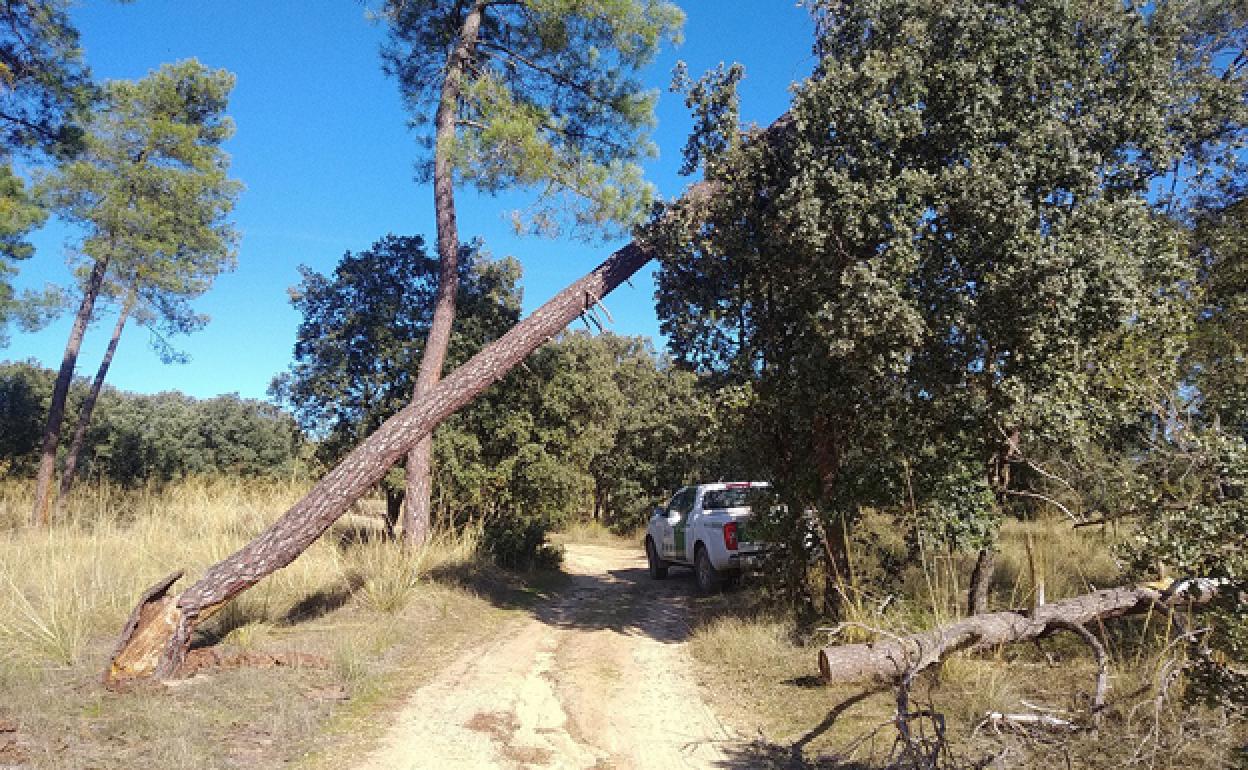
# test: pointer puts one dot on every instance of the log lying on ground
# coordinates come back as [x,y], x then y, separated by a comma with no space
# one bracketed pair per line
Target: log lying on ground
[888,660]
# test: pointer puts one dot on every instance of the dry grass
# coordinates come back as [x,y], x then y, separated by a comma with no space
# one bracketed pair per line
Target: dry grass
[354,609]
[593,532]
[763,678]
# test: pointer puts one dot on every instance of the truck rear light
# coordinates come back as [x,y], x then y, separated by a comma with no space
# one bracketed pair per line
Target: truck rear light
[730,536]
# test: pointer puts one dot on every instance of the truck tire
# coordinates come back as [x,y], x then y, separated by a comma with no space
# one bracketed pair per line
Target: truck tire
[704,572]
[658,567]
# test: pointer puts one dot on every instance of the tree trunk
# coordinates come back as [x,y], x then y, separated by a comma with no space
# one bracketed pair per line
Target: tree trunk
[886,661]
[839,577]
[88,406]
[981,581]
[156,644]
[394,507]
[60,393]
[419,495]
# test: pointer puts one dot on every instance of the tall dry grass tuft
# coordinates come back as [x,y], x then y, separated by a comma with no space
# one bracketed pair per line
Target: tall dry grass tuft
[352,600]
[390,576]
[594,532]
[62,586]
[1069,561]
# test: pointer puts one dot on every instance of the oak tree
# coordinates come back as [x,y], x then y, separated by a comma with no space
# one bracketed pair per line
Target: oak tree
[919,279]
[359,344]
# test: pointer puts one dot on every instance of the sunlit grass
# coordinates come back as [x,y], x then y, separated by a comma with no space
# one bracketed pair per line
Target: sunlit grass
[354,600]
[762,675]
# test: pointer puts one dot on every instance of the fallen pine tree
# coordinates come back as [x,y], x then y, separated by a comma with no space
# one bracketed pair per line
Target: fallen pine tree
[157,636]
[894,659]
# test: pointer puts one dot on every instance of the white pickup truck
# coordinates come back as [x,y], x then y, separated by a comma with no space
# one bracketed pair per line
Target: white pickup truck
[705,527]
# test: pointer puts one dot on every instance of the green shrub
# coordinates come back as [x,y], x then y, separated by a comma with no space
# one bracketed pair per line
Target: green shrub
[516,543]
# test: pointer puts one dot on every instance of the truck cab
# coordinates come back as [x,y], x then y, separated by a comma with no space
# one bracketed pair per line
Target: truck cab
[705,527]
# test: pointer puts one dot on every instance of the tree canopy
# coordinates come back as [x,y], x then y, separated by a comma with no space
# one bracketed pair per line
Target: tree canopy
[363,328]
[135,439]
[44,90]
[550,100]
[929,278]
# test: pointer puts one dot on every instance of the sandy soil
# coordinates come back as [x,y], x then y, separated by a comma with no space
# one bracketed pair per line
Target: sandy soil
[599,678]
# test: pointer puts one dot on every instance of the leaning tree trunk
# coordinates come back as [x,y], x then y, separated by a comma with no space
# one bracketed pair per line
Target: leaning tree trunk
[889,660]
[88,406]
[418,500]
[60,393]
[155,640]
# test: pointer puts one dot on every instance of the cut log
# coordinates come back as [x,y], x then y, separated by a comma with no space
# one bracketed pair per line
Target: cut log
[886,661]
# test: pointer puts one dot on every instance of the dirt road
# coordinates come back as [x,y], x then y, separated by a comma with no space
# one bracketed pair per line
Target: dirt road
[600,678]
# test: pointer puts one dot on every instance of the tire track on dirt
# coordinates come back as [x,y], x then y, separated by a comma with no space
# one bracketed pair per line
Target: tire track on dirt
[599,678]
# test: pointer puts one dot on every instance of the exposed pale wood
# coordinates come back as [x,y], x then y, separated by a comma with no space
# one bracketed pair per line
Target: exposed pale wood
[888,660]
[134,656]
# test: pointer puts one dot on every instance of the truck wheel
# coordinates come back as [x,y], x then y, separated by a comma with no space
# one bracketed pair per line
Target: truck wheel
[705,573]
[658,567]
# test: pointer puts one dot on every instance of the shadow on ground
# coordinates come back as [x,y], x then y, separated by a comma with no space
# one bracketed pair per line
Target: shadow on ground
[622,599]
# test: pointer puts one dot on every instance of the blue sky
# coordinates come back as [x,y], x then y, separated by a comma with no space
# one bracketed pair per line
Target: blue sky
[327,161]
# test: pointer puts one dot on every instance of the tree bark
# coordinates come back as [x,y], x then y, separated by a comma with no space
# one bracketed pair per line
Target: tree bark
[60,393]
[981,580]
[418,500]
[88,406]
[886,661]
[156,644]
[839,577]
[157,647]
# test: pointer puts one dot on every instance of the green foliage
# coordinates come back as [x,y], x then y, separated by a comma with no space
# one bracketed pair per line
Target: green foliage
[1219,352]
[19,215]
[134,439]
[550,101]
[43,84]
[152,192]
[520,544]
[960,512]
[359,345]
[592,427]
[947,266]
[44,79]
[716,110]
[1194,522]
[25,390]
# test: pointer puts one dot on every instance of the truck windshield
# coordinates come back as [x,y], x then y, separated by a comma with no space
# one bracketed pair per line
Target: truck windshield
[726,498]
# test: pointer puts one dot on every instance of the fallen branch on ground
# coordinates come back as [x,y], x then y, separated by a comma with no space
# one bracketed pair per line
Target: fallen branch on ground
[1020,722]
[888,660]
